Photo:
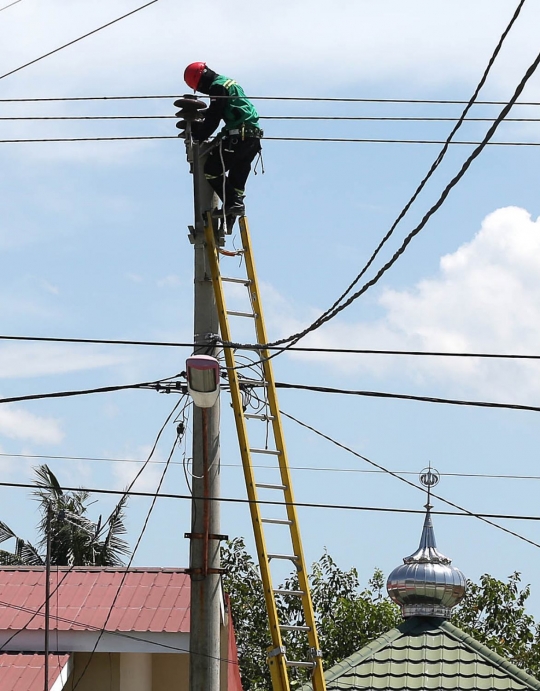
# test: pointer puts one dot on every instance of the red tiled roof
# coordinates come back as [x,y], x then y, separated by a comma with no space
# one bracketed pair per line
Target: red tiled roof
[154,600]
[24,671]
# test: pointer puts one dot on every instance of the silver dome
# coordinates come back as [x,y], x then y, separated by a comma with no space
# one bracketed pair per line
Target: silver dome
[426,584]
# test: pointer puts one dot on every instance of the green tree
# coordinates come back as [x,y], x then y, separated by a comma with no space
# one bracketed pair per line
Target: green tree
[76,540]
[348,617]
[493,612]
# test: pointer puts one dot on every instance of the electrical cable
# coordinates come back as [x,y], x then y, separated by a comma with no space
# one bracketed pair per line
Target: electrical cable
[354,118]
[125,493]
[408,482]
[321,469]
[308,505]
[94,31]
[316,99]
[122,634]
[339,140]
[280,385]
[10,5]
[332,312]
[124,575]
[84,392]
[407,397]
[150,455]
[300,349]
[431,170]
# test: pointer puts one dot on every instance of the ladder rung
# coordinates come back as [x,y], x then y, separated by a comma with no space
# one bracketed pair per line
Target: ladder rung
[232,313]
[253,382]
[252,416]
[291,557]
[271,452]
[297,593]
[245,281]
[294,663]
[285,627]
[277,521]
[264,485]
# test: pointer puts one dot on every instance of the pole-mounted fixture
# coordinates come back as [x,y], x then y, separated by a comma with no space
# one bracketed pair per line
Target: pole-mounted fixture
[203,380]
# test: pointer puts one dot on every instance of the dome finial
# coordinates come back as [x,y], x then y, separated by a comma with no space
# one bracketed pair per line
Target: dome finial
[426,584]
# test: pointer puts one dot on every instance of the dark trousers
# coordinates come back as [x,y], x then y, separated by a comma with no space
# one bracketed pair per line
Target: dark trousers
[237,155]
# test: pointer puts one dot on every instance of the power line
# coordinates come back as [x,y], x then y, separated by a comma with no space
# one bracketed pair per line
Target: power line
[10,5]
[316,99]
[124,495]
[336,309]
[91,627]
[320,469]
[308,505]
[139,539]
[406,397]
[482,517]
[345,118]
[94,31]
[336,140]
[84,392]
[299,349]
[167,386]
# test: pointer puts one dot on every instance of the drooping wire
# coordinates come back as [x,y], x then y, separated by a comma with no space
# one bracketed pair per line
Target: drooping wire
[125,494]
[124,575]
[90,33]
[10,5]
[408,482]
[333,312]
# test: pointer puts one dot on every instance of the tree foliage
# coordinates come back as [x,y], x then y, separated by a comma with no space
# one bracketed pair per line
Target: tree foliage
[349,617]
[493,612]
[76,540]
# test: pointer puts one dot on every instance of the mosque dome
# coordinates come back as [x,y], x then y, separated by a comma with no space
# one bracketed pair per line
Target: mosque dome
[426,584]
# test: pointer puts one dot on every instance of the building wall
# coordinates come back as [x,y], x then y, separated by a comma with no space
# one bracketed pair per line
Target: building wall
[130,672]
[170,672]
[103,672]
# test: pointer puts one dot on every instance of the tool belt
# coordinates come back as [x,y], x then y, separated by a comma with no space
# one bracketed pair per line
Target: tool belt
[245,131]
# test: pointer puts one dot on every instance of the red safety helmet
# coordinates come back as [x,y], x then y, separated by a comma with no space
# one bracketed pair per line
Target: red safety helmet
[193,74]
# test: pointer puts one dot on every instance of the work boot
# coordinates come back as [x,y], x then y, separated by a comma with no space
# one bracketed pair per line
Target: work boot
[235,208]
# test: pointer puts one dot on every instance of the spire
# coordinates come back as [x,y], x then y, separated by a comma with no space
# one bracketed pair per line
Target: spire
[426,584]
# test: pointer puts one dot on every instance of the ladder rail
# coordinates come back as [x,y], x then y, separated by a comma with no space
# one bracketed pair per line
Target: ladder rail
[278,668]
[262,337]
[276,658]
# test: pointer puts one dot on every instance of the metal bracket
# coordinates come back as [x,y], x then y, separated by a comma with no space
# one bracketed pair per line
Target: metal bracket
[201,536]
[199,572]
[191,234]
[315,653]
[280,650]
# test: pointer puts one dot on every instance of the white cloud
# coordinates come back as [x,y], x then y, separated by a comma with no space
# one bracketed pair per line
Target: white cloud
[485,298]
[170,281]
[321,46]
[20,424]
[32,360]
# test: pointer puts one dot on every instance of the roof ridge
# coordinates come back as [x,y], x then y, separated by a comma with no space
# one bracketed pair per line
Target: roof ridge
[366,651]
[490,655]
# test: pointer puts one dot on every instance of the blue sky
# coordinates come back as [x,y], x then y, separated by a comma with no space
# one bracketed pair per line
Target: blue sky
[93,244]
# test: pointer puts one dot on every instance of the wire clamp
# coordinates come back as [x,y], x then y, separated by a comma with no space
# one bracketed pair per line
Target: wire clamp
[280,650]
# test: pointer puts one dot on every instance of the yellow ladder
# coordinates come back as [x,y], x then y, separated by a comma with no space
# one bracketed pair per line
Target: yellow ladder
[273,448]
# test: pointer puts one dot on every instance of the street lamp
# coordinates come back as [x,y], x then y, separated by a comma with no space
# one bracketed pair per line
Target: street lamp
[203,380]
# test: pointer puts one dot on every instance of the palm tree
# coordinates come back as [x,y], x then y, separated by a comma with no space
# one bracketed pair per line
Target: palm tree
[75,539]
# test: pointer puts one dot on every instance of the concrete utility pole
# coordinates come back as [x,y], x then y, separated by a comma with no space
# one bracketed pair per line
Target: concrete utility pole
[204,563]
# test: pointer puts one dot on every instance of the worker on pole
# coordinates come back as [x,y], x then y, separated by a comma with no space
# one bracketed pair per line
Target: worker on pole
[239,141]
